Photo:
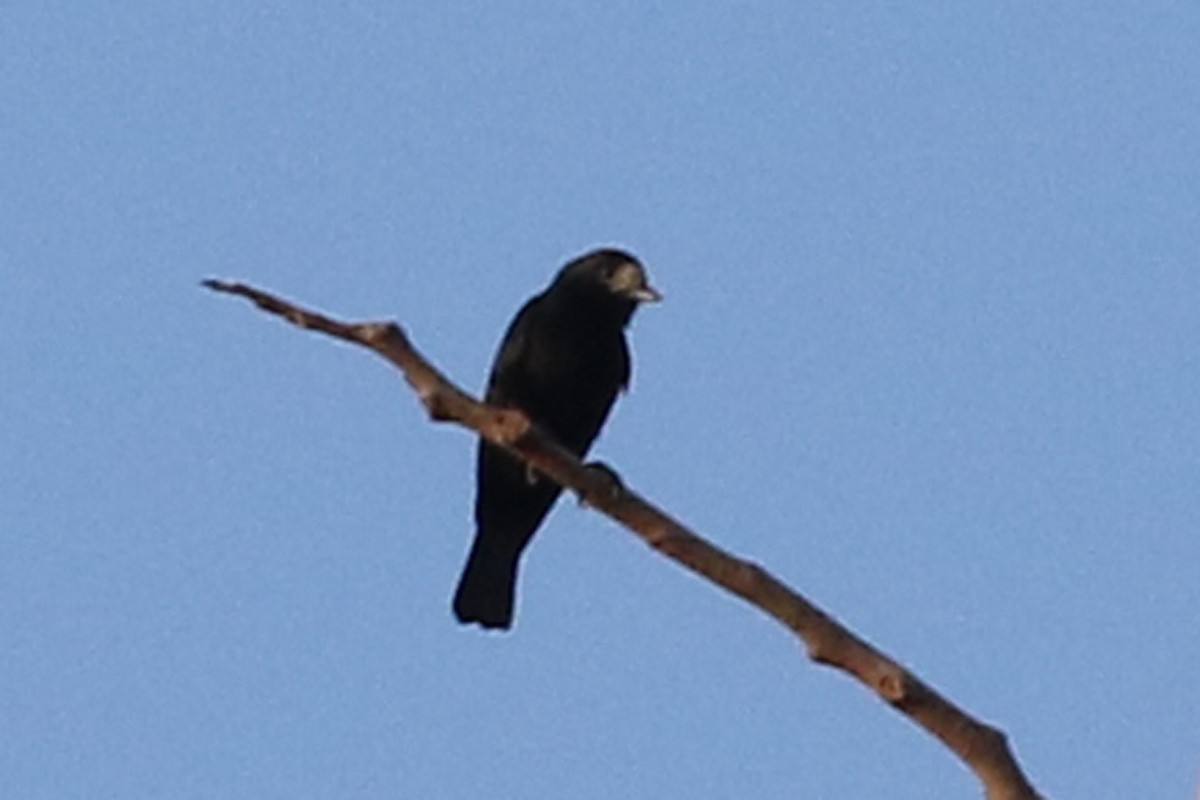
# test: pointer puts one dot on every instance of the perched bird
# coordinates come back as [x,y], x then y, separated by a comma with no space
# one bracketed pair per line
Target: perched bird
[562,362]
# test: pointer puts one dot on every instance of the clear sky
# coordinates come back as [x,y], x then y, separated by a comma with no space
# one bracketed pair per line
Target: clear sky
[929,353]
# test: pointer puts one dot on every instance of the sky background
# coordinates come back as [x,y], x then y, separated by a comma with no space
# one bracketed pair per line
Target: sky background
[929,354]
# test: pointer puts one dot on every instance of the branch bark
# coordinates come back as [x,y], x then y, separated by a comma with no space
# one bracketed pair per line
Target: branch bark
[983,748]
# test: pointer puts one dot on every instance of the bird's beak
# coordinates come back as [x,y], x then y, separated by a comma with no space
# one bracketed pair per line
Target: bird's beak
[646,294]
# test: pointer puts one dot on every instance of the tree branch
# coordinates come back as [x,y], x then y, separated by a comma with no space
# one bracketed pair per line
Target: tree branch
[983,748]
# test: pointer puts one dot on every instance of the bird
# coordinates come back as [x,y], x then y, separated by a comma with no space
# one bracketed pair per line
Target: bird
[563,361]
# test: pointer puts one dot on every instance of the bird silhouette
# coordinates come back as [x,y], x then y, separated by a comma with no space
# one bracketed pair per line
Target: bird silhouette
[563,361]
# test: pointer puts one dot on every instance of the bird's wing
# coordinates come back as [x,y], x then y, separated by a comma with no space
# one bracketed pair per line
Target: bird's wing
[509,372]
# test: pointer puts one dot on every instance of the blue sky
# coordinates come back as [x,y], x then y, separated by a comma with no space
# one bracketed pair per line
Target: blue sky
[929,353]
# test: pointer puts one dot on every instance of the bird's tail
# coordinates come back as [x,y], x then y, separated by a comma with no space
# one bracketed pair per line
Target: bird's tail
[485,591]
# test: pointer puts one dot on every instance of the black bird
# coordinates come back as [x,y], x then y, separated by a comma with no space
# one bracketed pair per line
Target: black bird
[562,362]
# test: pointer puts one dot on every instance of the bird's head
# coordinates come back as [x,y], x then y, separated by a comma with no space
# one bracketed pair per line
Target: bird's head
[615,273]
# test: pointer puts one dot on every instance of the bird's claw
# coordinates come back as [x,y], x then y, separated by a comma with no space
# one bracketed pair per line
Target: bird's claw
[613,485]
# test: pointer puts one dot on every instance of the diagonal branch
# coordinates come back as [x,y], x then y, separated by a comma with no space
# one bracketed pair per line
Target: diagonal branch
[983,748]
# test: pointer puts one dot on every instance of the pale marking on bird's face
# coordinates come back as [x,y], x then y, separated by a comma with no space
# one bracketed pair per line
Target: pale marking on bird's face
[628,279]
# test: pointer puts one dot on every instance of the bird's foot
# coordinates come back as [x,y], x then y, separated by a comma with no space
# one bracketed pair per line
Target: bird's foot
[610,483]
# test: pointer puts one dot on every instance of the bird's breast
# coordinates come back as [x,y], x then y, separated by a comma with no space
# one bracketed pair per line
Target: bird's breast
[577,380]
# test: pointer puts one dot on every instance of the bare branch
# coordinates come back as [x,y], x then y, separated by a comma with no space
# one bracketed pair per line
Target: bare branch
[983,748]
